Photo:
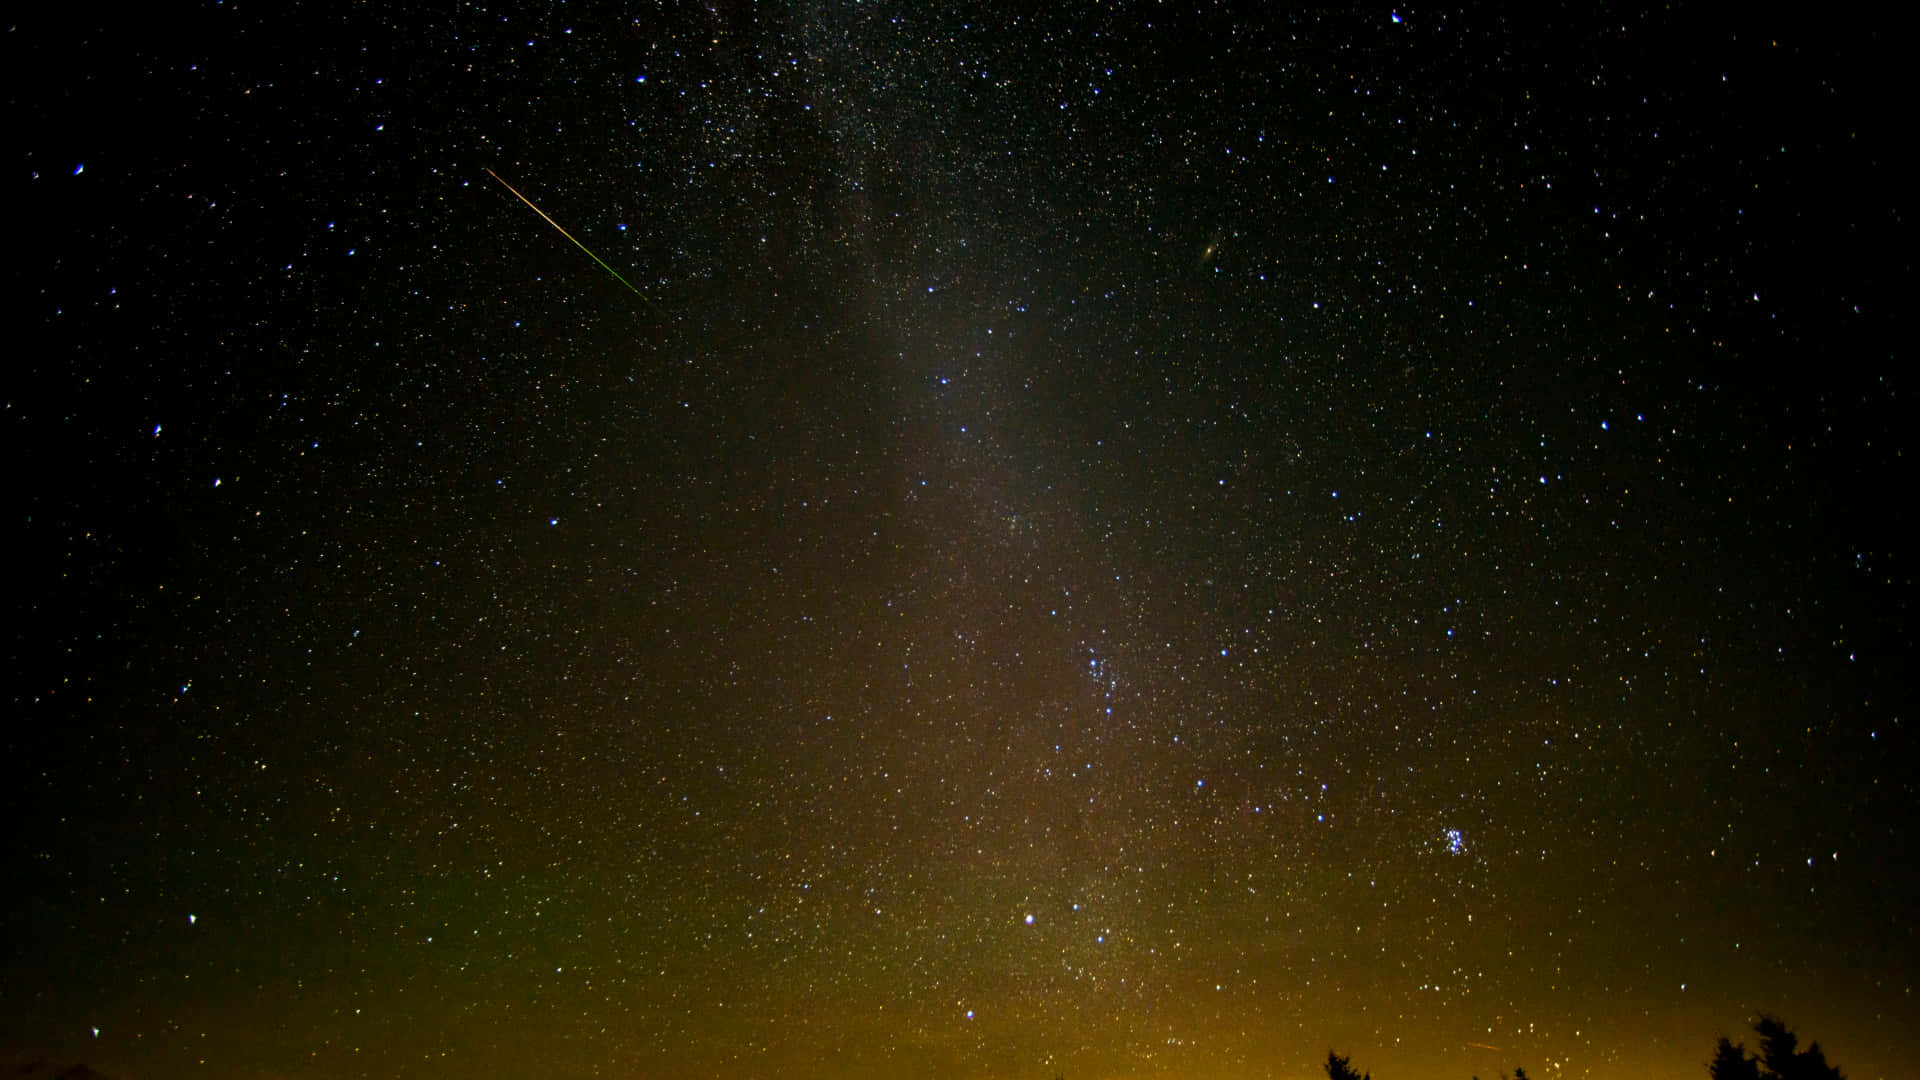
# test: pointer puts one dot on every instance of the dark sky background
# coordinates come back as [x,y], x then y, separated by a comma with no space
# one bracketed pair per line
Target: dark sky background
[1147,540]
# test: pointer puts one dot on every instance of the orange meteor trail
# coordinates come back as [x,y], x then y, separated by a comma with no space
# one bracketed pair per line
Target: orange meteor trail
[576,243]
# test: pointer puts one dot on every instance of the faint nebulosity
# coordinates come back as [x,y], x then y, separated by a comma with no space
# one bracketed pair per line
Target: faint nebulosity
[1137,540]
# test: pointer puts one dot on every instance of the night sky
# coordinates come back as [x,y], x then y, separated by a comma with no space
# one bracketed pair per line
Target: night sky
[1151,540]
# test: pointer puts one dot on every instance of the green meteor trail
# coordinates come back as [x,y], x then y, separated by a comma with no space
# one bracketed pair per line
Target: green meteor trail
[576,243]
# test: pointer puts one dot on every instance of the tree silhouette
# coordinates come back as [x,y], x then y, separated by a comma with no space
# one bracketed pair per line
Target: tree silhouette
[1780,1057]
[1731,1062]
[1339,1068]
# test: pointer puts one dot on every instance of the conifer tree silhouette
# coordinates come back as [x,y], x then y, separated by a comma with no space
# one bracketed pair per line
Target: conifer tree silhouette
[1730,1062]
[1339,1068]
[1780,1057]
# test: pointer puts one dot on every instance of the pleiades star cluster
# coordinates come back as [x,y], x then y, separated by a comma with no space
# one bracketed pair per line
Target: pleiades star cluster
[868,540]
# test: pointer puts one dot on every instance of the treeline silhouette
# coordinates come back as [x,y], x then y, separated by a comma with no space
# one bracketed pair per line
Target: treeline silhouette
[1780,1058]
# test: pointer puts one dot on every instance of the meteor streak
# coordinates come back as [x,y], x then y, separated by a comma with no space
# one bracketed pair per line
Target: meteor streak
[576,243]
